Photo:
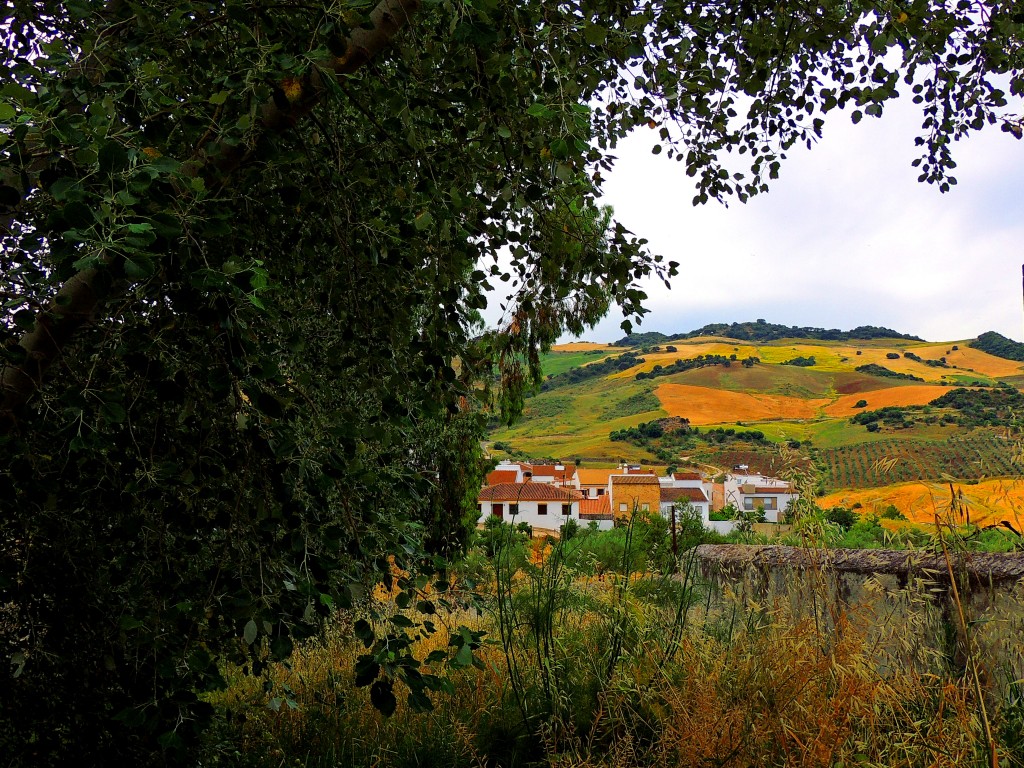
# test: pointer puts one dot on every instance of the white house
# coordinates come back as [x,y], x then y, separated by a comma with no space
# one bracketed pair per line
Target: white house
[518,472]
[679,497]
[749,491]
[543,506]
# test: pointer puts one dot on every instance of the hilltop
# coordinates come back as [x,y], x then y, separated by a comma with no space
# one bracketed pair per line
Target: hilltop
[859,411]
[760,330]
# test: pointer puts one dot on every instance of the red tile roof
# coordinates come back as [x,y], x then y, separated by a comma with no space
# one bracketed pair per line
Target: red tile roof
[516,492]
[596,509]
[598,506]
[595,476]
[501,476]
[549,470]
[683,494]
[686,476]
[774,489]
[634,480]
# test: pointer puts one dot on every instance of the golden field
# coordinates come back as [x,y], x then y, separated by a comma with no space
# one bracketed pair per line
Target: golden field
[990,501]
[702,405]
[832,356]
[584,346]
[919,394]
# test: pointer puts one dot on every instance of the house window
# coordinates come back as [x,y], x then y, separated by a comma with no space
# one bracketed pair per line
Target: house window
[479,509]
[600,491]
[566,509]
[645,507]
[623,507]
[542,509]
[513,509]
[497,509]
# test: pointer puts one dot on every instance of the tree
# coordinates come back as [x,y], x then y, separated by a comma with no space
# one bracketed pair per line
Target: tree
[243,251]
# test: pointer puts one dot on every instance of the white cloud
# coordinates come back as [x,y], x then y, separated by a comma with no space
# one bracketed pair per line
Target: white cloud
[846,237]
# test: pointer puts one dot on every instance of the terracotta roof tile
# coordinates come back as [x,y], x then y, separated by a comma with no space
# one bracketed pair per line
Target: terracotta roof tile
[683,494]
[501,476]
[595,476]
[773,489]
[686,476]
[635,480]
[515,492]
[598,506]
[550,470]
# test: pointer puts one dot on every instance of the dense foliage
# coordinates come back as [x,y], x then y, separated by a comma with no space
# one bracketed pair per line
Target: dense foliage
[592,371]
[996,406]
[762,331]
[880,370]
[999,406]
[800,361]
[1000,346]
[689,364]
[243,251]
[940,363]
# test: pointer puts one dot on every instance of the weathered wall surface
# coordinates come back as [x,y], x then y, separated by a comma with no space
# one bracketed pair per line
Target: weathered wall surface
[908,604]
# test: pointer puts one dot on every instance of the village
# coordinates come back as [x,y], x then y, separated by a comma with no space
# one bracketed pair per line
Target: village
[546,496]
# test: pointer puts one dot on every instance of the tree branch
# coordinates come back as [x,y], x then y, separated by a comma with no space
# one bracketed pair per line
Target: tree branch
[76,302]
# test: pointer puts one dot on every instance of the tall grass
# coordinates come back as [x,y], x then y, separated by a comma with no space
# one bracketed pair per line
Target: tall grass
[615,667]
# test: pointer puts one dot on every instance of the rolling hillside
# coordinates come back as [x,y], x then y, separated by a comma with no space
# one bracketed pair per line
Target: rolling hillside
[755,395]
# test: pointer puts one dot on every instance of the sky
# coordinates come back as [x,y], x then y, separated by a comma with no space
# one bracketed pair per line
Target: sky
[846,236]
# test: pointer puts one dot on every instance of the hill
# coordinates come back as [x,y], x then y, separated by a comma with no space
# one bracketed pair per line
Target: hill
[762,331]
[1000,346]
[862,412]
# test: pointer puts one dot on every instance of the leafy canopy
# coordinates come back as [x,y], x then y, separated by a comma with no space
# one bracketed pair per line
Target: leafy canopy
[244,249]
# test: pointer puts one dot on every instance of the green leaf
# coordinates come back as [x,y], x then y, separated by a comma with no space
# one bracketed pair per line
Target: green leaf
[7,112]
[113,412]
[25,319]
[139,267]
[595,34]
[423,221]
[249,633]
[383,697]
[78,215]
[464,657]
[113,158]
[219,98]
[366,670]
[363,631]
[538,110]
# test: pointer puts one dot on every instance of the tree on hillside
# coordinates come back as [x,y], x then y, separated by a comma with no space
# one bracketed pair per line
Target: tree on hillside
[243,248]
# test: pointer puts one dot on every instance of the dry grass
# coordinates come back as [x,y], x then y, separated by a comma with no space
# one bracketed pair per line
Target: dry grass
[793,678]
[703,406]
[920,394]
[990,501]
[584,346]
[969,358]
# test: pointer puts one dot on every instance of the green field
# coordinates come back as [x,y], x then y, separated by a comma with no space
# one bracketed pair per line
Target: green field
[554,363]
[575,421]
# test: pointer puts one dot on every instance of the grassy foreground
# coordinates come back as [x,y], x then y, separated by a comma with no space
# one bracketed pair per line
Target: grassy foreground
[584,666]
